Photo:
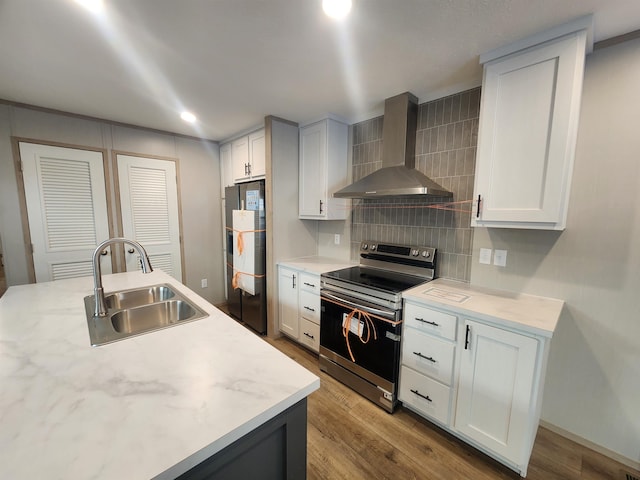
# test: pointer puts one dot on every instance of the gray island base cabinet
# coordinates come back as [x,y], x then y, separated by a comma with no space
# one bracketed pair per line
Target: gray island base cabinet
[474,361]
[277,450]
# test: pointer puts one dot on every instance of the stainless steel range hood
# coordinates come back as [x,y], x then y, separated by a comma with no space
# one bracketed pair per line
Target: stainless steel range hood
[398,175]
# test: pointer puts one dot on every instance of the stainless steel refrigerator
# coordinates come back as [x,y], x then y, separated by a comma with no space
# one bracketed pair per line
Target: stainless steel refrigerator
[247,303]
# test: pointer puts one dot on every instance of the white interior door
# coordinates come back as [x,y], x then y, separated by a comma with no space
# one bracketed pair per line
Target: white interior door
[66,208]
[149,207]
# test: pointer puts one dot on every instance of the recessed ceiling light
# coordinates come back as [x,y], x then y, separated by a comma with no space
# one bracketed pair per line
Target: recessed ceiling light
[337,9]
[188,117]
[94,6]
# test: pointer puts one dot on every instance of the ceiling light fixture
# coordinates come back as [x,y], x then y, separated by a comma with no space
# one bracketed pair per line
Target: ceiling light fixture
[188,117]
[336,9]
[94,6]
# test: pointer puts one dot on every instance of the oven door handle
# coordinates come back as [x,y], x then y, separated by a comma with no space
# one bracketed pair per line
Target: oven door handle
[375,311]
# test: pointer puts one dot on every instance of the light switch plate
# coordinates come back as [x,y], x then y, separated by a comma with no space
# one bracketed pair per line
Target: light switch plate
[500,258]
[485,256]
[203,283]
[336,239]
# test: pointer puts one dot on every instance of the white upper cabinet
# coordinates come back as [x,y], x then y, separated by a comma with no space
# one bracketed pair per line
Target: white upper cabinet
[247,157]
[257,154]
[323,170]
[226,166]
[527,134]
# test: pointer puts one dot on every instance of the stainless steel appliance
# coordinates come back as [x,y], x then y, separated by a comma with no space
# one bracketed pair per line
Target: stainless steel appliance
[361,317]
[250,307]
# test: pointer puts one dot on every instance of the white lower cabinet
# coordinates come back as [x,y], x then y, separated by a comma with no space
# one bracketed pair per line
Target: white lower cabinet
[288,285]
[483,384]
[309,334]
[428,354]
[497,378]
[425,395]
[299,299]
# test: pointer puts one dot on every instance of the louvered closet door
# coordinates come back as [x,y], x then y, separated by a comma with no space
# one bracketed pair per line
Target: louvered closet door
[149,204]
[66,209]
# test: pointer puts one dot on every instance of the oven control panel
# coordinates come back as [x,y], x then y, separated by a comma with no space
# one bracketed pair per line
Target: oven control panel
[369,249]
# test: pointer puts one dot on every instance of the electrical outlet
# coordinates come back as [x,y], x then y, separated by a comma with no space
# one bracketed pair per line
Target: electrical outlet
[336,239]
[203,283]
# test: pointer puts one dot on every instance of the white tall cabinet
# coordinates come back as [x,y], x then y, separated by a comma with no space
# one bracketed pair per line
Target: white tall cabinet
[323,170]
[528,128]
[474,361]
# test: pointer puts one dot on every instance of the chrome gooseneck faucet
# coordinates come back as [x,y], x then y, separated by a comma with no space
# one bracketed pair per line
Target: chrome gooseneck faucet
[101,307]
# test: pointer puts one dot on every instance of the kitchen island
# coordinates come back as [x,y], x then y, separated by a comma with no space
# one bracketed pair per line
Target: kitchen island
[150,406]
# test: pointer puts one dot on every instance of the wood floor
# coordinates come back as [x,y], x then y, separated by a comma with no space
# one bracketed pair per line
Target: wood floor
[351,438]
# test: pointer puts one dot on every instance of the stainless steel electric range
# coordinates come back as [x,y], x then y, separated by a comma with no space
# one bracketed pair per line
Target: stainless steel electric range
[361,317]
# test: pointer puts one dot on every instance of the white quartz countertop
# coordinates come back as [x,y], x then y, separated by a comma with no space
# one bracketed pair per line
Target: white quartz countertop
[533,314]
[316,264]
[150,406]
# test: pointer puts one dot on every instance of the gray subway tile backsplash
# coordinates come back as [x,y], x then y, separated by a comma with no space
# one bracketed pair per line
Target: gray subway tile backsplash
[446,143]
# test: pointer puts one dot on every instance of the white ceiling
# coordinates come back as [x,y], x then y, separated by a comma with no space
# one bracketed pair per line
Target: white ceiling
[232,62]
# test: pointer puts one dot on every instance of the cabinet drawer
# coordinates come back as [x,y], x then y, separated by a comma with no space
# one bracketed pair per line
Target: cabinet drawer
[309,334]
[424,395]
[309,306]
[310,283]
[431,321]
[428,355]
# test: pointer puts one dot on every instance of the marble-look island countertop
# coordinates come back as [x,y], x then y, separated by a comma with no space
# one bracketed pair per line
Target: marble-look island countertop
[537,315]
[150,406]
[316,264]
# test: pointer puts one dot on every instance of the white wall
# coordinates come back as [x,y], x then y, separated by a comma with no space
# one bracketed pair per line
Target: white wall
[593,381]
[198,164]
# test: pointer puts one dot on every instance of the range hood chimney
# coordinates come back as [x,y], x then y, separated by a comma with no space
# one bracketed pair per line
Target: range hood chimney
[398,175]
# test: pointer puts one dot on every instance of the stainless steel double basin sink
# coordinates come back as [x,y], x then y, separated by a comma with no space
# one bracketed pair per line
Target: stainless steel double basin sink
[138,311]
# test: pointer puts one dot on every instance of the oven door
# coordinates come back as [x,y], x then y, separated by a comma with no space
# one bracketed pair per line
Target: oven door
[380,354]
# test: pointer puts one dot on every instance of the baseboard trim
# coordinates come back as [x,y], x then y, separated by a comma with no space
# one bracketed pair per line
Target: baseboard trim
[593,446]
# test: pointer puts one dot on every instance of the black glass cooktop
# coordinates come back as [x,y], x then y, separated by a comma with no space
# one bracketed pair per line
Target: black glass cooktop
[375,278]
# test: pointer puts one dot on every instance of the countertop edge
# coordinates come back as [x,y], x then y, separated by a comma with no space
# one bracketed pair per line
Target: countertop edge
[545,329]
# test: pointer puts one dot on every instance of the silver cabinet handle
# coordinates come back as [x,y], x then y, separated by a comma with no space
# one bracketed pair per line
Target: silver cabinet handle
[130,250]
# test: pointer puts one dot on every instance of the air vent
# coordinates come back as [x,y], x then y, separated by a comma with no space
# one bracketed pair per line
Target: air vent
[629,476]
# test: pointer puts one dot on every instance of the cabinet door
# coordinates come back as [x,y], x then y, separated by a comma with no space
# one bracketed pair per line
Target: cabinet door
[313,154]
[497,369]
[257,154]
[240,158]
[226,166]
[527,135]
[288,301]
